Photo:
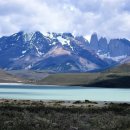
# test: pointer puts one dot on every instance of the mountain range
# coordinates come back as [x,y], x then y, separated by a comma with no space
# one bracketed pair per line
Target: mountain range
[61,52]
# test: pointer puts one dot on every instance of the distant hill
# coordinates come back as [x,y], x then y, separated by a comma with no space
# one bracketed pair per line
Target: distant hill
[123,68]
[69,79]
[117,77]
[9,78]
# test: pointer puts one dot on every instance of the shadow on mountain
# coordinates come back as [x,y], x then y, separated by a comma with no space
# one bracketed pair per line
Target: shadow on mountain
[116,82]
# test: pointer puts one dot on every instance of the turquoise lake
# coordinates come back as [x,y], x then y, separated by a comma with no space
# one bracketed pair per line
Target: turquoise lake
[34,92]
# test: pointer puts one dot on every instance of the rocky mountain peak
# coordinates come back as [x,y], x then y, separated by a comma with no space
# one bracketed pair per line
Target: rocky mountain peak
[60,51]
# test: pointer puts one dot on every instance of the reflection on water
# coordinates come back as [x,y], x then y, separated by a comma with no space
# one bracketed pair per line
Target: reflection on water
[63,93]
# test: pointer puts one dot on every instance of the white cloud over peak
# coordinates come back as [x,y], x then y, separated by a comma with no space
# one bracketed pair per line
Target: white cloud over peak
[108,18]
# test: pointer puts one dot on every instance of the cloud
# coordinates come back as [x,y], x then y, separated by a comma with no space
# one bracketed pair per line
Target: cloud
[108,18]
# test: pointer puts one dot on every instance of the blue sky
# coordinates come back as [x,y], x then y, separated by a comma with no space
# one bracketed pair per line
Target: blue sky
[110,18]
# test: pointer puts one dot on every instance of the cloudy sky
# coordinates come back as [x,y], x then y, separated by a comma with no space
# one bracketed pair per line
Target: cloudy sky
[110,18]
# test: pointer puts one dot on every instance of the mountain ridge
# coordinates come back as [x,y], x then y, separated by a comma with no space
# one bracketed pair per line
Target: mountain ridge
[61,52]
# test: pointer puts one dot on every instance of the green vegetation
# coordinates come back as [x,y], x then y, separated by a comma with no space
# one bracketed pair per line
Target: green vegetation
[116,77]
[86,101]
[69,79]
[9,78]
[104,79]
[119,76]
[32,115]
[124,68]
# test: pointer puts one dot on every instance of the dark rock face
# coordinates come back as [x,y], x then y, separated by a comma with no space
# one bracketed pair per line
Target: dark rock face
[103,45]
[60,52]
[94,42]
[119,47]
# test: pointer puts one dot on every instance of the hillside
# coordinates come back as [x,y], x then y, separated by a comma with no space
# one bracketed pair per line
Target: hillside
[116,77]
[9,78]
[123,68]
[28,74]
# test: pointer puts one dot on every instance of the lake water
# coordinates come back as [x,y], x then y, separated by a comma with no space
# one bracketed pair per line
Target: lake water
[34,92]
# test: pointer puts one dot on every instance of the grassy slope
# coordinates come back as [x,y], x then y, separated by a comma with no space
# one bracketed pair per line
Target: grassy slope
[69,78]
[116,77]
[28,74]
[124,68]
[8,78]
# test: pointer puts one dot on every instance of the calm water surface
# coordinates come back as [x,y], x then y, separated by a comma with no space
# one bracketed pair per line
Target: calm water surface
[35,92]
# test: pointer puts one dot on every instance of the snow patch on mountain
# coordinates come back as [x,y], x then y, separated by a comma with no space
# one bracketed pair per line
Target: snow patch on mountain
[38,52]
[24,51]
[53,43]
[49,35]
[28,36]
[88,38]
[107,56]
[118,58]
[63,41]
[28,67]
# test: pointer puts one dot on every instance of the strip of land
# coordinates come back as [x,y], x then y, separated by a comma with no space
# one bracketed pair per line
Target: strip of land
[118,77]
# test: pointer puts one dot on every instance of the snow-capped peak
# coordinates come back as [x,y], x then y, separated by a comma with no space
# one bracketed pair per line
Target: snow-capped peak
[88,38]
[49,50]
[63,41]
[28,36]
[49,35]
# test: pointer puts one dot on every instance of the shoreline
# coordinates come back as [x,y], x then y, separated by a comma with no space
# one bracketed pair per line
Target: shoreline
[79,102]
[63,100]
[11,83]
[62,85]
